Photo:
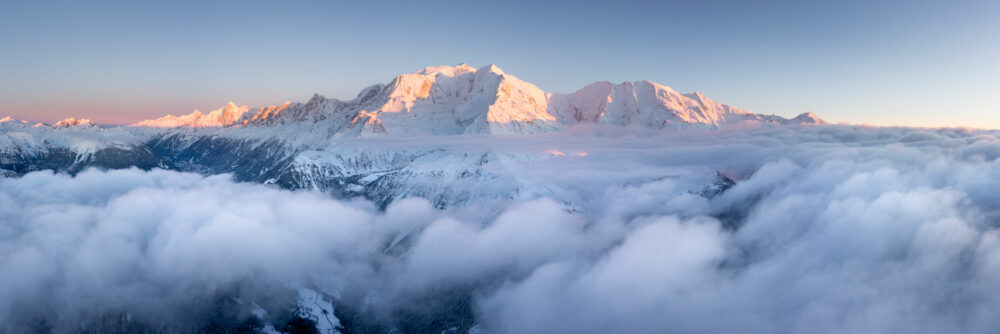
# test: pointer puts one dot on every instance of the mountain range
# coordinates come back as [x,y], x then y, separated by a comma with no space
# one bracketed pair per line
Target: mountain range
[453,135]
[339,146]
[447,100]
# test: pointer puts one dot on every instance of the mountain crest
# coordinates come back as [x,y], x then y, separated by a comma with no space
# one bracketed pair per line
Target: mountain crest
[807,118]
[461,99]
[224,116]
[450,71]
[72,121]
[491,68]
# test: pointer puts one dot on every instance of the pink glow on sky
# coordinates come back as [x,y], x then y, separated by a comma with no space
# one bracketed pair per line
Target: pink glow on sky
[915,63]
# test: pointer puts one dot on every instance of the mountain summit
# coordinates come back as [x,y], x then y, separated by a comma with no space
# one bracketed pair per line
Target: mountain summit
[219,117]
[72,121]
[444,100]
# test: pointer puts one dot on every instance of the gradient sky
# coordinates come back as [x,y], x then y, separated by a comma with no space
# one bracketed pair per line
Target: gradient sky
[923,63]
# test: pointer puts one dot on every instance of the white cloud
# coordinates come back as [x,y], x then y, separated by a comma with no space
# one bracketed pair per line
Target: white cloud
[830,229]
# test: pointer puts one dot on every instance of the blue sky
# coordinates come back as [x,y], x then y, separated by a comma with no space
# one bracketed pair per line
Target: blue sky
[923,63]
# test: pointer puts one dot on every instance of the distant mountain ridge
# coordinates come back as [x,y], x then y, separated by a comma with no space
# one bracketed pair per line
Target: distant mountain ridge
[219,117]
[460,99]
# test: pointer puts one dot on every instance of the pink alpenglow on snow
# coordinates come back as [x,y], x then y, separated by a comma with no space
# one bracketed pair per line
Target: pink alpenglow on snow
[451,100]
[216,118]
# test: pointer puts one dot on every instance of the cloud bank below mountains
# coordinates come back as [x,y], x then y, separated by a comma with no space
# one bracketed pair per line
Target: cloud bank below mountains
[829,229]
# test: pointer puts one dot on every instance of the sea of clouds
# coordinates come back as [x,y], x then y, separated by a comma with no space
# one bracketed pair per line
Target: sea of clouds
[828,229]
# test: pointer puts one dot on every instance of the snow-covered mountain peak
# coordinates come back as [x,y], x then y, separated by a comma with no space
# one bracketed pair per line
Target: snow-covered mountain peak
[10,121]
[316,99]
[457,70]
[224,116]
[231,107]
[270,111]
[460,99]
[72,121]
[492,69]
[445,70]
[807,118]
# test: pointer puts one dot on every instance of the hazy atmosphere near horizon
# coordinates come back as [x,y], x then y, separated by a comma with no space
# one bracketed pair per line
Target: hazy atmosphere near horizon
[499,167]
[914,63]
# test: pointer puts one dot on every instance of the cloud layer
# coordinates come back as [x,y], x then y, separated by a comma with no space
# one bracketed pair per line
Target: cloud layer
[829,229]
